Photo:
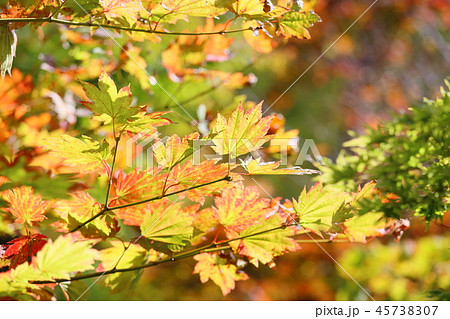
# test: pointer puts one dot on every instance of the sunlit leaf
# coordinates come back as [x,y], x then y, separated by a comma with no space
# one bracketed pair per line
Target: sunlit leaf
[266,243]
[239,208]
[60,258]
[84,153]
[80,208]
[317,207]
[242,133]
[361,227]
[106,101]
[255,167]
[295,24]
[213,267]
[167,223]
[25,205]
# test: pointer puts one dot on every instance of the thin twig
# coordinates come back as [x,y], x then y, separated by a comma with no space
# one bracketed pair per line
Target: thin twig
[208,248]
[116,27]
[105,209]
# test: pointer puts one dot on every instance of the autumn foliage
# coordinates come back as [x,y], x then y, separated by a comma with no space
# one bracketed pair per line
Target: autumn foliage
[83,210]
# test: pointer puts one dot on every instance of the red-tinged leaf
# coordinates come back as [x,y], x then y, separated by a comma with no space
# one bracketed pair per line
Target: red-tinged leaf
[136,186]
[80,208]
[168,223]
[107,102]
[255,167]
[25,205]
[361,228]
[173,150]
[213,267]
[86,154]
[239,208]
[242,133]
[317,207]
[265,240]
[189,175]
[23,248]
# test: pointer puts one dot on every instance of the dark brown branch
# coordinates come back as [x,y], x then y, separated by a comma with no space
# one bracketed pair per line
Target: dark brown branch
[104,210]
[116,27]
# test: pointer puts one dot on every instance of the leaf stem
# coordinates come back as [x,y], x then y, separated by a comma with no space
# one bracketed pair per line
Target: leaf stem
[117,139]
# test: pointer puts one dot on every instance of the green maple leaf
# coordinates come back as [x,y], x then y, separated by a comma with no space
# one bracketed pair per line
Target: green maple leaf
[360,227]
[84,153]
[317,207]
[295,24]
[168,224]
[265,244]
[117,257]
[63,256]
[111,105]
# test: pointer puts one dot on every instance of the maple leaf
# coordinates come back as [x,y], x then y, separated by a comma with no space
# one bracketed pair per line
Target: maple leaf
[145,123]
[295,24]
[25,205]
[213,267]
[22,248]
[84,153]
[244,132]
[136,186]
[129,10]
[317,207]
[189,175]
[59,258]
[173,10]
[134,215]
[116,257]
[169,224]
[255,9]
[266,243]
[255,167]
[111,105]
[239,208]
[82,207]
[173,150]
[362,227]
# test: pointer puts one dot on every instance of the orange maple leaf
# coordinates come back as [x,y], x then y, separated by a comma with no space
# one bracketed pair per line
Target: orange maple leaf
[136,186]
[212,266]
[238,208]
[25,205]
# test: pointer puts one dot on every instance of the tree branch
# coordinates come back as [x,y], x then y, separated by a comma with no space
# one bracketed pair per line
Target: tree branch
[115,27]
[105,209]
[208,248]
